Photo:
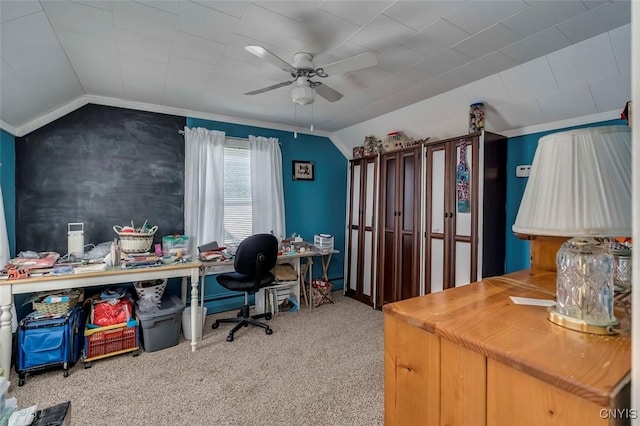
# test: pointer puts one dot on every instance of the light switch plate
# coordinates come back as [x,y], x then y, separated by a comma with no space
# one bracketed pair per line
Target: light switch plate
[523,170]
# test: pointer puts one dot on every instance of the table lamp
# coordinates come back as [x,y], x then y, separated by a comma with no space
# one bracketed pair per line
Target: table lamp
[580,187]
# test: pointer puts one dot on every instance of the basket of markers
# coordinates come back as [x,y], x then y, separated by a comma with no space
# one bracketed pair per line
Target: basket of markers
[135,240]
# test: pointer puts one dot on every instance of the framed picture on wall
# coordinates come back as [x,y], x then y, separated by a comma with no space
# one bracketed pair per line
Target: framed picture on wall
[303,170]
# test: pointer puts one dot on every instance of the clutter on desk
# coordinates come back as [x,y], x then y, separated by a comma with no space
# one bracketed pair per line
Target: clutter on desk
[135,240]
[323,242]
[89,268]
[175,245]
[294,244]
[33,260]
[214,252]
[140,260]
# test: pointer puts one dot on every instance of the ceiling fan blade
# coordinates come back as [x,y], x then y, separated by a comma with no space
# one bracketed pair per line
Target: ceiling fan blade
[327,92]
[263,53]
[363,60]
[266,89]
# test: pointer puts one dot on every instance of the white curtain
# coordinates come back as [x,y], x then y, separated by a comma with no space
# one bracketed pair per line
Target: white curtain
[5,255]
[204,185]
[267,191]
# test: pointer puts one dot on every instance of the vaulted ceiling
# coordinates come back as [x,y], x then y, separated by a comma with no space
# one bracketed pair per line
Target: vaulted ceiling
[189,56]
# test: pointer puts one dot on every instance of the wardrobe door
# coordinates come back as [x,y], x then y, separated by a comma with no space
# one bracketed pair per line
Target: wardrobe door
[465,206]
[362,229]
[368,231]
[398,258]
[388,227]
[408,225]
[355,184]
[437,221]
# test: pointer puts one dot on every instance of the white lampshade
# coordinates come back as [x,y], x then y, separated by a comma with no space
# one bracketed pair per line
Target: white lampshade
[579,185]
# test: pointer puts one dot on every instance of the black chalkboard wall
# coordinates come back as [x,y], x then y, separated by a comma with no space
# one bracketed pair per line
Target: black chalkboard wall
[102,166]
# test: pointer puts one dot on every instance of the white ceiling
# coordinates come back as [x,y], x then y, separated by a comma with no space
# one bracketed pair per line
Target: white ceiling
[188,56]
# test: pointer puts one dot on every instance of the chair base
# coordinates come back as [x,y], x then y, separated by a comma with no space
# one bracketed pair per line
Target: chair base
[243,319]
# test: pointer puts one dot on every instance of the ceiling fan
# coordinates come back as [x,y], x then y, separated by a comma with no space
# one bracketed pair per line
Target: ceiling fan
[303,70]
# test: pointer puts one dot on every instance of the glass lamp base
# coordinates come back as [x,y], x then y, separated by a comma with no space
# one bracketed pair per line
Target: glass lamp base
[581,325]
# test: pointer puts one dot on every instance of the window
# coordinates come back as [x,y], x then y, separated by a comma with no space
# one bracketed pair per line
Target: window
[238,222]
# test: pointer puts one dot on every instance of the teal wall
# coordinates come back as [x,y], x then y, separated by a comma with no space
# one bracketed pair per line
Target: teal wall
[311,207]
[8,183]
[317,206]
[521,151]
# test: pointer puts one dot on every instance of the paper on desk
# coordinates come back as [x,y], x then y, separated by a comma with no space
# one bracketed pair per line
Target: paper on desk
[532,302]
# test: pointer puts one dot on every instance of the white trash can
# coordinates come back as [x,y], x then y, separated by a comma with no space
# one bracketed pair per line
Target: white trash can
[186,321]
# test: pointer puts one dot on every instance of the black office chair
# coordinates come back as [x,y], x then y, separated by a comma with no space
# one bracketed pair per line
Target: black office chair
[255,257]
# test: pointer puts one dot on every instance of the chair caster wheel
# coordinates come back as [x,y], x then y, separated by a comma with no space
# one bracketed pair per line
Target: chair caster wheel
[230,338]
[267,317]
[20,382]
[268,331]
[66,373]
[215,325]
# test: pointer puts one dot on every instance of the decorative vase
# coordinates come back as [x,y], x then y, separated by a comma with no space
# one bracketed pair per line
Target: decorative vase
[463,190]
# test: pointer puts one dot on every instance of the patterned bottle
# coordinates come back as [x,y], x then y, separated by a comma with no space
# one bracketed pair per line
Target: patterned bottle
[463,192]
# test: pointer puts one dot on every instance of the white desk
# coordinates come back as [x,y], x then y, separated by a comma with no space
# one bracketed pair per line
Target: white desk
[113,275]
[221,267]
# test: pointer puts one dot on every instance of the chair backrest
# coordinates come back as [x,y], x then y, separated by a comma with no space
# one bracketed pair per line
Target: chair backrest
[249,250]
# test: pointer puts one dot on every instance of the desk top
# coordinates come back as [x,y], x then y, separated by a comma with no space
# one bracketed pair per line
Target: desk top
[284,256]
[481,317]
[112,274]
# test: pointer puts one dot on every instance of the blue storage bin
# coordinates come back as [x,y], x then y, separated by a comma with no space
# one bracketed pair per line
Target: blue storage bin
[45,343]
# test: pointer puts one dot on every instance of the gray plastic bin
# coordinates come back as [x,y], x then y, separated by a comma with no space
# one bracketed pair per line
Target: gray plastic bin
[161,329]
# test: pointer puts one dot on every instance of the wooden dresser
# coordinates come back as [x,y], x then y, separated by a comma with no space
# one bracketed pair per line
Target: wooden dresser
[470,356]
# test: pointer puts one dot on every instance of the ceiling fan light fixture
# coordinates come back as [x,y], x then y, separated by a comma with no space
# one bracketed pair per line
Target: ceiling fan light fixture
[302,95]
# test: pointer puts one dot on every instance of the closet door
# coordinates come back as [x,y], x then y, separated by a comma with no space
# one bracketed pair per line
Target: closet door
[398,256]
[437,247]
[369,231]
[463,213]
[387,258]
[408,252]
[355,189]
[452,219]
[361,230]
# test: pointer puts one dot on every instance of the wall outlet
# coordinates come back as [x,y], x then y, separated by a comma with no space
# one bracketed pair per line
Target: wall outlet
[523,170]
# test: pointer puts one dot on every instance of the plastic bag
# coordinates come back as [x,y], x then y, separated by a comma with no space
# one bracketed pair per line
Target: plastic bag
[111,312]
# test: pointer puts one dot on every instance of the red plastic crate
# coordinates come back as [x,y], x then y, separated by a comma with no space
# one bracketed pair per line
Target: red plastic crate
[110,340]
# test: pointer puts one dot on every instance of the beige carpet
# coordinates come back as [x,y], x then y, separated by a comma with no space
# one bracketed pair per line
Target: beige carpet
[318,368]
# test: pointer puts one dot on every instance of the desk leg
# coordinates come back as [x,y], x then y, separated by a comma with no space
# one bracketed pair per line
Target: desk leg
[325,266]
[310,267]
[195,278]
[5,329]
[302,271]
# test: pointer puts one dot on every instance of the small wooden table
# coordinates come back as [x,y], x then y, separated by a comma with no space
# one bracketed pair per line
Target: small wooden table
[470,356]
